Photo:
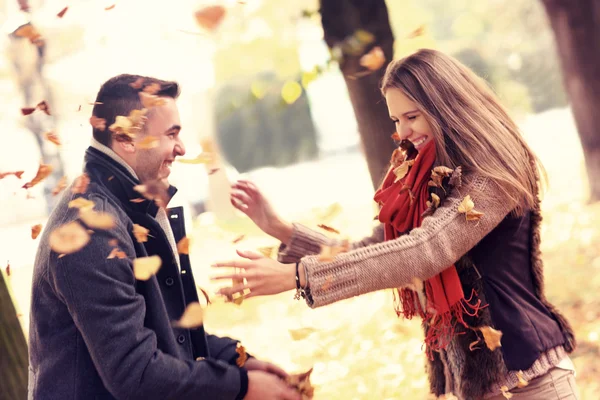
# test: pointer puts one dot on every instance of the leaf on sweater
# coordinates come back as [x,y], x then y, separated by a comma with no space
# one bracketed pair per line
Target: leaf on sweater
[148,142]
[474,345]
[81,203]
[456,177]
[302,333]
[491,336]
[80,184]
[505,392]
[443,171]
[145,267]
[113,242]
[52,137]
[328,228]
[403,169]
[139,82]
[98,123]
[522,381]
[467,207]
[151,100]
[35,231]
[44,170]
[62,12]
[193,317]
[301,382]
[18,174]
[60,186]
[435,201]
[140,233]
[96,219]
[210,17]
[183,246]
[68,238]
[242,356]
[116,253]
[138,200]
[374,59]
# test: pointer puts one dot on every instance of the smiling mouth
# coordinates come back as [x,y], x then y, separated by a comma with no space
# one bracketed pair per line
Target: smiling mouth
[419,141]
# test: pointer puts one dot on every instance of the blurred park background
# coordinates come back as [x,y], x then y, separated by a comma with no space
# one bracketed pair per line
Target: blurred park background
[275,84]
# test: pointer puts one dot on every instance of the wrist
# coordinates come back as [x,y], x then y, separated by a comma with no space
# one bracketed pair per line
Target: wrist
[302,275]
[282,231]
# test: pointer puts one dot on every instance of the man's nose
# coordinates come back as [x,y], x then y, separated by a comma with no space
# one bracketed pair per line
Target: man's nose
[180,148]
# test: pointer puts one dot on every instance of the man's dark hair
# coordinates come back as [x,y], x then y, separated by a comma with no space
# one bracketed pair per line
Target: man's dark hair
[120,96]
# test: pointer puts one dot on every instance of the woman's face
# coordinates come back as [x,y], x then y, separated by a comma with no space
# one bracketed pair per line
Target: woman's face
[410,122]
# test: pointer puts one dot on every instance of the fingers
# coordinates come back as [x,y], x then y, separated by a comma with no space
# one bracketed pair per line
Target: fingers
[228,276]
[274,369]
[250,255]
[290,394]
[248,187]
[242,196]
[233,264]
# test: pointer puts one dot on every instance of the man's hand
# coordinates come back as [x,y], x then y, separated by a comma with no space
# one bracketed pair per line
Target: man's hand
[266,386]
[252,364]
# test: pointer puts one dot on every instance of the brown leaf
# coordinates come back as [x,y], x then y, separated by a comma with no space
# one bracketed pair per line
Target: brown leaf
[18,174]
[505,392]
[35,231]
[97,220]
[420,31]
[30,32]
[443,171]
[139,82]
[456,178]
[242,356]
[301,382]
[183,246]
[238,239]
[27,110]
[80,184]
[116,252]
[44,170]
[151,100]
[62,12]
[403,169]
[140,233]
[154,190]
[98,123]
[8,269]
[467,207]
[374,59]
[110,178]
[109,7]
[435,201]
[491,336]
[68,238]
[205,294]
[153,88]
[43,106]
[145,267]
[328,228]
[213,170]
[81,203]
[522,381]
[210,17]
[409,149]
[193,317]
[148,142]
[52,137]
[266,251]
[328,253]
[302,333]
[60,186]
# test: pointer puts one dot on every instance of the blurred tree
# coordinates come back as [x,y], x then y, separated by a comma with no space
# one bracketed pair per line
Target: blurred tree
[575,26]
[347,25]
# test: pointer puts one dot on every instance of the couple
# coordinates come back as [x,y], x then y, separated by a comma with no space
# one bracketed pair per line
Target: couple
[459,242]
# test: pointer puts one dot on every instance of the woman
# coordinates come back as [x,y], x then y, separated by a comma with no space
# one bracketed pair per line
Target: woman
[459,239]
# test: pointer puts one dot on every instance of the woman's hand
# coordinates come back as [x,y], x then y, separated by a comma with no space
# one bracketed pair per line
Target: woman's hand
[247,198]
[260,275]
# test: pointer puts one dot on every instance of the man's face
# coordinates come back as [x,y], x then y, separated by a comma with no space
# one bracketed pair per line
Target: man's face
[163,126]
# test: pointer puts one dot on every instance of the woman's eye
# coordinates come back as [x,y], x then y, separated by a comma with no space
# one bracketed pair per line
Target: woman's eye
[412,117]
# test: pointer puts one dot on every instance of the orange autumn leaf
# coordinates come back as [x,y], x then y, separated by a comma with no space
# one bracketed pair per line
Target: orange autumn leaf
[116,253]
[193,317]
[403,169]
[522,381]
[420,31]
[68,238]
[138,200]
[238,239]
[98,123]
[30,32]
[43,106]
[62,12]
[149,142]
[8,269]
[328,253]
[151,100]
[242,356]
[145,267]
[80,184]
[109,7]
[183,246]
[467,207]
[18,174]
[210,17]
[60,186]
[202,158]
[139,82]
[154,190]
[301,382]
[328,228]
[374,59]
[52,137]
[35,231]
[96,219]
[491,337]
[140,233]
[44,170]
[153,88]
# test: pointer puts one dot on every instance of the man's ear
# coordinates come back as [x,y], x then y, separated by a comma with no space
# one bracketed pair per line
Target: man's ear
[126,147]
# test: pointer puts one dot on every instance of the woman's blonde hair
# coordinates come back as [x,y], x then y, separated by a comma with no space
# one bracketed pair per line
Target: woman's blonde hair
[471,128]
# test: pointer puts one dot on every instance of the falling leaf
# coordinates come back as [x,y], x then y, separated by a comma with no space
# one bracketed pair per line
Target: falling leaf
[242,356]
[30,32]
[522,381]
[328,283]
[505,392]
[420,31]
[291,91]
[116,253]
[98,123]
[238,239]
[60,186]
[402,169]
[27,110]
[113,242]
[145,267]
[193,317]
[154,190]
[43,106]
[44,170]
[205,294]
[148,142]
[35,231]
[396,136]
[150,100]
[301,382]
[95,103]
[328,228]
[183,246]
[153,88]
[210,17]
[302,333]
[81,203]
[374,59]
[79,108]
[80,184]
[202,158]
[139,82]
[473,345]
[62,12]
[266,251]
[435,201]
[18,174]
[492,337]
[213,170]
[140,233]
[122,126]
[467,207]
[138,200]
[328,253]
[110,178]
[68,238]
[7,269]
[109,7]
[97,220]
[52,137]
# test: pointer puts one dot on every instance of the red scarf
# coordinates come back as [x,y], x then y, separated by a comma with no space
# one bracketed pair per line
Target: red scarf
[402,206]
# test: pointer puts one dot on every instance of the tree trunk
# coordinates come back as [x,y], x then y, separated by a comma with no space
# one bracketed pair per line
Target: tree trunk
[13,349]
[577,35]
[341,19]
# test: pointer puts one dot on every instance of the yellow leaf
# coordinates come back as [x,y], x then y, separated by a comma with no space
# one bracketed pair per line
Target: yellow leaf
[491,336]
[522,381]
[151,100]
[302,333]
[420,31]
[443,171]
[183,246]
[202,158]
[505,392]
[192,317]
[97,220]
[301,382]
[145,267]
[435,201]
[140,233]
[35,231]
[148,142]
[52,137]
[81,203]
[242,356]
[402,169]
[98,123]
[68,238]
[291,91]
[374,59]
[467,207]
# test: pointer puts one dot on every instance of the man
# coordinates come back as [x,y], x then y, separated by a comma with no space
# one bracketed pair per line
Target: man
[96,331]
